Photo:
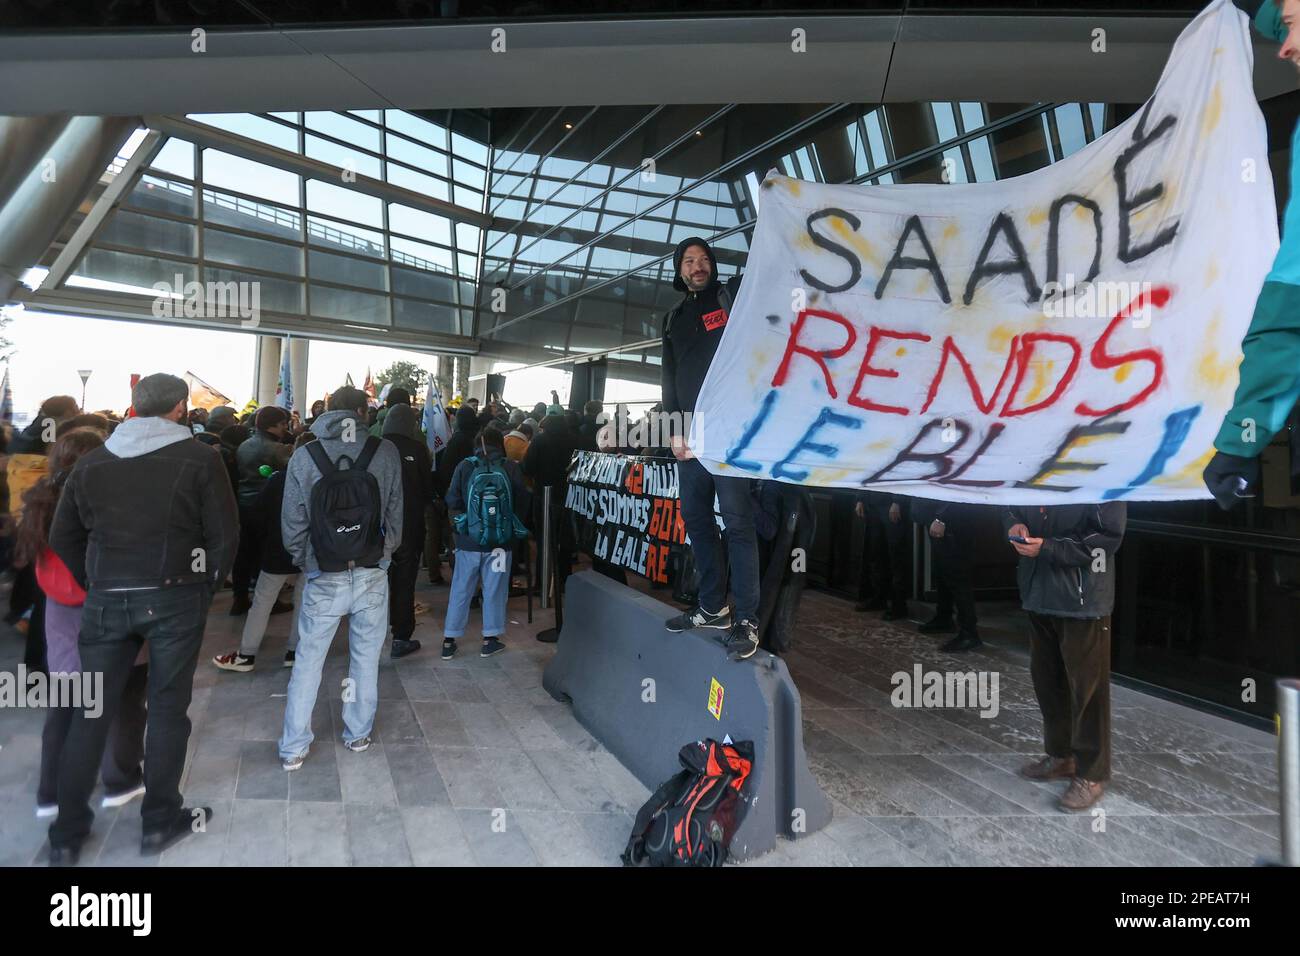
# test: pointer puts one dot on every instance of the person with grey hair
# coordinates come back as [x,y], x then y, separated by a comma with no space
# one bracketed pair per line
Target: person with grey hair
[147,525]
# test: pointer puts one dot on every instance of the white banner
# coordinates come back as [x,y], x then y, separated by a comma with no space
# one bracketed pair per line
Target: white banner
[916,338]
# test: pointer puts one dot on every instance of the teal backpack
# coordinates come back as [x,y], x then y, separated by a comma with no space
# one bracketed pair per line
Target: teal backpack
[489,516]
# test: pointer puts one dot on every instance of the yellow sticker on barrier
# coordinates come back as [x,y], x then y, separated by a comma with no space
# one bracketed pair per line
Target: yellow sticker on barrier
[715,698]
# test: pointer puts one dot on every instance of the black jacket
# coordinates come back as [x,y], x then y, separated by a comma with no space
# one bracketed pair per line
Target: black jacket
[261,449]
[692,331]
[1074,573]
[459,447]
[547,460]
[226,453]
[270,502]
[588,433]
[144,521]
[417,488]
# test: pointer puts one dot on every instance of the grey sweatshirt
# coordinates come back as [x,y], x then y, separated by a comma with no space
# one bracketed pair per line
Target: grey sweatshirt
[386,466]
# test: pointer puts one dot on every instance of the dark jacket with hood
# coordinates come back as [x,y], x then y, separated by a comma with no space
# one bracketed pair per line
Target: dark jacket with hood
[547,460]
[262,448]
[692,331]
[403,429]
[1074,573]
[269,504]
[134,511]
[459,446]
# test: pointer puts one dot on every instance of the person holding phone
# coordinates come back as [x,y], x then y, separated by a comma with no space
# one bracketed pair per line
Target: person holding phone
[1067,586]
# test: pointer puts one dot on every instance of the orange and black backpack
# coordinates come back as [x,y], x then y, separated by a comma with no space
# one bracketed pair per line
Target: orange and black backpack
[690,820]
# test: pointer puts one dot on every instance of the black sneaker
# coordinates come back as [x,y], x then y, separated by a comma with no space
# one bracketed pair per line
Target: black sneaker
[289,658]
[742,642]
[448,650]
[896,613]
[402,648]
[937,625]
[155,841]
[698,617]
[65,855]
[965,641]
[491,646]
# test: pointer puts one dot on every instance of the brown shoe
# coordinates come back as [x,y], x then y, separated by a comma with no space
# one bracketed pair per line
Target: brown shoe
[1049,768]
[1081,795]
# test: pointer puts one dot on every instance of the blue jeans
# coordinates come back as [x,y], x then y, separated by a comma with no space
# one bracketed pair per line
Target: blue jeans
[362,595]
[493,568]
[697,487]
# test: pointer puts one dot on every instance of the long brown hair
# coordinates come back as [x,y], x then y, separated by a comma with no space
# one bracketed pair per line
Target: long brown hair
[42,498]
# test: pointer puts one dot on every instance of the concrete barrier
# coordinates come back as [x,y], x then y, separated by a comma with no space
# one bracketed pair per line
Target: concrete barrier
[643,693]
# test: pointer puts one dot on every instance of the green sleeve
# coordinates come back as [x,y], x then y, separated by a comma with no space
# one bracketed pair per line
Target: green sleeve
[1268,21]
[1270,372]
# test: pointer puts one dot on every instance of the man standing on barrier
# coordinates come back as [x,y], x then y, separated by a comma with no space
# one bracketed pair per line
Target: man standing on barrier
[692,331]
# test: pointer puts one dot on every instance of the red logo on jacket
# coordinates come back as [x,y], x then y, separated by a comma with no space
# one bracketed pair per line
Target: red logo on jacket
[715,320]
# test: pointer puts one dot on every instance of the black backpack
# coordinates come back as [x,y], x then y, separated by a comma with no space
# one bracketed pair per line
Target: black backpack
[690,820]
[345,510]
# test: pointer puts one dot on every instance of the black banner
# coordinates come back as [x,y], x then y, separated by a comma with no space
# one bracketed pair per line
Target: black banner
[625,511]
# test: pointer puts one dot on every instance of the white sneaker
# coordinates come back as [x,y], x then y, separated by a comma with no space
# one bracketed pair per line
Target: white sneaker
[44,810]
[121,799]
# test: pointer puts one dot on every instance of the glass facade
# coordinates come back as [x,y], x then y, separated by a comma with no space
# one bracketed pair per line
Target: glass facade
[318,247]
[588,204]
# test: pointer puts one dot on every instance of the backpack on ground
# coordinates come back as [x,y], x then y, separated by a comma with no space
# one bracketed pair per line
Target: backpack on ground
[489,516]
[346,510]
[690,820]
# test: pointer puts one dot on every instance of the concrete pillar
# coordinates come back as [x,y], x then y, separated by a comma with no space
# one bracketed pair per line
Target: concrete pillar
[446,372]
[298,353]
[268,368]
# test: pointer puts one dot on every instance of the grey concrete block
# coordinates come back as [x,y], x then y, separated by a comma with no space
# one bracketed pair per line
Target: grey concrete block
[613,642]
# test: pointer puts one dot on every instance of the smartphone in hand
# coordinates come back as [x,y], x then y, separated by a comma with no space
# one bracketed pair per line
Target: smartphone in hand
[1016,539]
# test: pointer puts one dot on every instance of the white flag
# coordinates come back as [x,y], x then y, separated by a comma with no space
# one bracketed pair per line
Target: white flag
[436,427]
[284,388]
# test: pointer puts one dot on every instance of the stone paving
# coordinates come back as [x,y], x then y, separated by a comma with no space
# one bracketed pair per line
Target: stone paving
[474,764]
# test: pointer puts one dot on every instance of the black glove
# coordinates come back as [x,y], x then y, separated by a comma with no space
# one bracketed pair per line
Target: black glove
[1231,478]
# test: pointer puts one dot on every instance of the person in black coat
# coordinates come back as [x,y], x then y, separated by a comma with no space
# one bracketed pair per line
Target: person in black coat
[459,446]
[277,570]
[402,428]
[546,464]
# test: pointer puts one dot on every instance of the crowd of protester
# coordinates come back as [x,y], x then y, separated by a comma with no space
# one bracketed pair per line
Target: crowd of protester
[119,530]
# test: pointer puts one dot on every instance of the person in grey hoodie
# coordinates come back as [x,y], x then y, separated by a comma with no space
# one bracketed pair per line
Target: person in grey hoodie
[147,525]
[360,593]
